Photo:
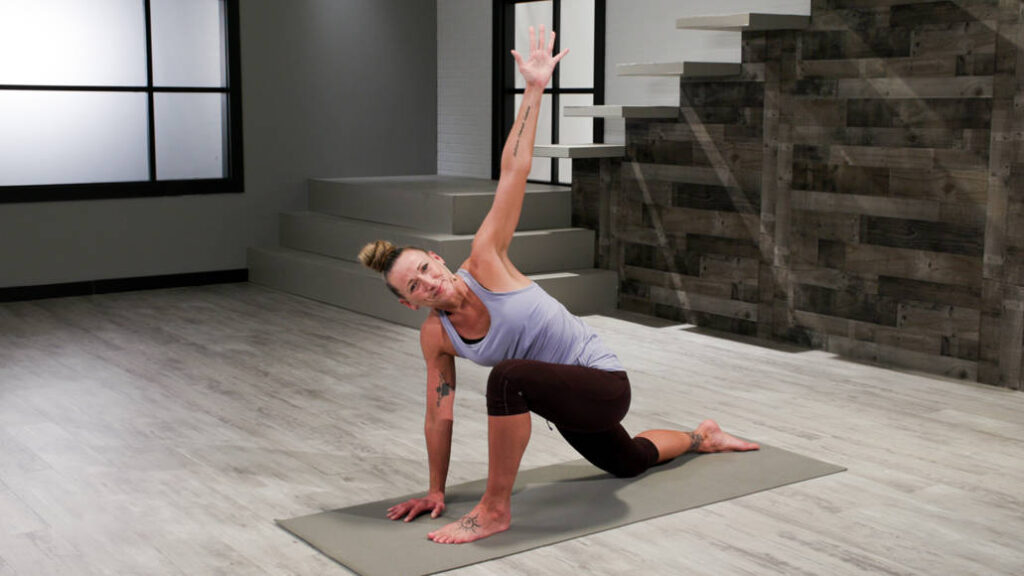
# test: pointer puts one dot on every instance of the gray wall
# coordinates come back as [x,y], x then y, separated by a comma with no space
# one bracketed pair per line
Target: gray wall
[330,88]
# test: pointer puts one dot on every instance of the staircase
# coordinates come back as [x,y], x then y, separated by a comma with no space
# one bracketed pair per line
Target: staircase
[684,69]
[317,255]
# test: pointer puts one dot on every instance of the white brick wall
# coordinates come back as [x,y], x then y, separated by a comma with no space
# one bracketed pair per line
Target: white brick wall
[464,47]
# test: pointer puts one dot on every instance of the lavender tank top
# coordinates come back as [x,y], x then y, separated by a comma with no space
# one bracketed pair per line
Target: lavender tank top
[529,324]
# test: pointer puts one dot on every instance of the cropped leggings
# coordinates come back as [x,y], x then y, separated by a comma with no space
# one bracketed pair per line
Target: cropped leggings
[585,404]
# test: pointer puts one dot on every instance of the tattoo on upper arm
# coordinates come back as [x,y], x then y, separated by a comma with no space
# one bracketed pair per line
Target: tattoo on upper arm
[526,116]
[443,389]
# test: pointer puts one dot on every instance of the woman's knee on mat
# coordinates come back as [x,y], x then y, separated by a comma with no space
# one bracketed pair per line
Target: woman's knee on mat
[631,464]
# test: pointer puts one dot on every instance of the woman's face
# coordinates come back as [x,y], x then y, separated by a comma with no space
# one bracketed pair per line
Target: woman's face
[423,279]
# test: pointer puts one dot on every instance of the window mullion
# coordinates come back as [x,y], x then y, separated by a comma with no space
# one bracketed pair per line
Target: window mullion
[599,63]
[149,92]
[556,24]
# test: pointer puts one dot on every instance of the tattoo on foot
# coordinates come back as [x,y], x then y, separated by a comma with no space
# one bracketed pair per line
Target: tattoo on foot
[695,441]
[443,389]
[469,523]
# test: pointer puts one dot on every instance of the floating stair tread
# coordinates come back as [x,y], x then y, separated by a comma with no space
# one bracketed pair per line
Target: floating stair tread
[579,151]
[621,111]
[685,69]
[566,274]
[752,21]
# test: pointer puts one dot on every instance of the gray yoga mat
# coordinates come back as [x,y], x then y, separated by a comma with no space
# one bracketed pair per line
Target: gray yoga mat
[549,505]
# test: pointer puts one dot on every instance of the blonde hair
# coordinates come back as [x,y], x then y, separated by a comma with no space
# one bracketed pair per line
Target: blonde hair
[380,256]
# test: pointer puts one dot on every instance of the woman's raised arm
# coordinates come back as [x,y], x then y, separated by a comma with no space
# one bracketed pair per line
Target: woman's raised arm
[495,233]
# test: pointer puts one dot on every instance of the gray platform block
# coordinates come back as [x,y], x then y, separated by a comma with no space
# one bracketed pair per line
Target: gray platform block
[345,284]
[444,204]
[354,287]
[533,251]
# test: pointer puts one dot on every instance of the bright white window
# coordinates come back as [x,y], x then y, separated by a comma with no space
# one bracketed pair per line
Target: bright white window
[190,138]
[73,42]
[188,43]
[117,98]
[72,137]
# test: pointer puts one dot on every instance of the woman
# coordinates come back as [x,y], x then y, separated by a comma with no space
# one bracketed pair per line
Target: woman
[545,359]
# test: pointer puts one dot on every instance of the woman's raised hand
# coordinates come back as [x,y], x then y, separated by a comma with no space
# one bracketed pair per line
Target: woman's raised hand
[537,69]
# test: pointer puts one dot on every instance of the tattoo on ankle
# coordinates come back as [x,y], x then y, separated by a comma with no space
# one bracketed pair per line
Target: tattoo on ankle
[695,441]
[469,523]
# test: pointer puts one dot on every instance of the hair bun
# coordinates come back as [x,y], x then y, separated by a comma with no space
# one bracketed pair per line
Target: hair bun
[378,255]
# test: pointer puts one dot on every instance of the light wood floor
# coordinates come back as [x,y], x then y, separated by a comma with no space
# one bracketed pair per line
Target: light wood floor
[162,432]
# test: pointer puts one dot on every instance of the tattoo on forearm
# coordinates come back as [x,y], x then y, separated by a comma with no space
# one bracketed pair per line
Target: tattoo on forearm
[443,389]
[469,523]
[526,116]
[695,441]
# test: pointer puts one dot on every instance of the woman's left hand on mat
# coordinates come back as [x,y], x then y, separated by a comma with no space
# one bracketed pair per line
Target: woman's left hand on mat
[413,507]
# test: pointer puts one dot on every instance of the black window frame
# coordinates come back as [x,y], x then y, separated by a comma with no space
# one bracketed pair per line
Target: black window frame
[233,182]
[503,80]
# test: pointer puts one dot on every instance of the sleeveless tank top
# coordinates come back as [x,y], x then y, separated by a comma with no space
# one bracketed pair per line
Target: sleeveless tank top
[529,324]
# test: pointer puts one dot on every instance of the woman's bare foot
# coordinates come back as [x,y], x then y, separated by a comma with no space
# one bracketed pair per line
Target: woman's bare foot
[478,523]
[708,437]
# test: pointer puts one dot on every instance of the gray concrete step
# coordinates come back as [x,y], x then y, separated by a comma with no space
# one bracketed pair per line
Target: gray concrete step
[352,286]
[533,251]
[444,204]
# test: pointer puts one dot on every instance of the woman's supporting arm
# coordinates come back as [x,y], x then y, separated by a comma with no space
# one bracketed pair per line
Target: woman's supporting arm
[437,425]
[439,421]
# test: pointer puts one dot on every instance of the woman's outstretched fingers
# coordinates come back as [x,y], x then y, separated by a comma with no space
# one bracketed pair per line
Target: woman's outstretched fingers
[551,49]
[539,65]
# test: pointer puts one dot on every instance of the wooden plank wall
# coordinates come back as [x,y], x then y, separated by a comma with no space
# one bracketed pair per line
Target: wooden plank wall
[858,189]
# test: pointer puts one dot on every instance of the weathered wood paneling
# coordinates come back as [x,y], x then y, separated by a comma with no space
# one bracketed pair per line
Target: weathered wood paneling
[860,188]
[922,235]
[920,113]
[1002,321]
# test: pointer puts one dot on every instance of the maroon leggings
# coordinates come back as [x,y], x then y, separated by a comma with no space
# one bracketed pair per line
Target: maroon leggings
[585,404]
